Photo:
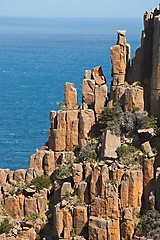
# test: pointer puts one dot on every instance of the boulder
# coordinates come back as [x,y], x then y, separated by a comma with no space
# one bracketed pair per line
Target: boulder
[29,174]
[19,175]
[98,76]
[147,150]
[110,144]
[66,189]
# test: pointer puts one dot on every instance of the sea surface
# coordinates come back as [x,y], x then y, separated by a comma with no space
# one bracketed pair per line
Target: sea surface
[37,56]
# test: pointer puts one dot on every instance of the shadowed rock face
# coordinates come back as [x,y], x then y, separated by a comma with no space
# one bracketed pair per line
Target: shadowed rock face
[146,61]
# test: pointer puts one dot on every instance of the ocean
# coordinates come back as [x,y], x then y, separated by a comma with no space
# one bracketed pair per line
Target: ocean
[37,56]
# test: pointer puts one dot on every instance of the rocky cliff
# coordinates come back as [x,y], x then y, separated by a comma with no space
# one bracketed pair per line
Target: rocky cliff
[98,175]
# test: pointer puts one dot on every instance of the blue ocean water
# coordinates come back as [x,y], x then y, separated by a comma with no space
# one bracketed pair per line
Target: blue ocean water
[37,56]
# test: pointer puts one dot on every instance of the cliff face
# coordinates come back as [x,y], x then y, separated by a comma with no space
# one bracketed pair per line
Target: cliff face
[146,62]
[98,172]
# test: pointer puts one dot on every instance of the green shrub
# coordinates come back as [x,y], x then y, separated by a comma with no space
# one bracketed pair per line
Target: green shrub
[147,122]
[76,150]
[129,154]
[63,171]
[31,218]
[50,216]
[141,229]
[111,118]
[5,226]
[88,152]
[119,122]
[41,182]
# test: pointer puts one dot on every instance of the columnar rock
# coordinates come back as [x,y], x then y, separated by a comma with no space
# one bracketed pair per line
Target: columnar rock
[136,188]
[94,91]
[100,98]
[58,221]
[80,220]
[56,140]
[36,160]
[77,173]
[68,223]
[70,96]
[117,94]
[120,55]
[14,206]
[127,226]
[95,184]
[130,97]
[83,192]
[148,183]
[112,211]
[86,121]
[104,178]
[3,176]
[98,208]
[131,189]
[157,197]
[146,62]
[43,161]
[155,78]
[97,228]
[88,97]
[133,99]
[49,164]
[72,125]
[30,206]
[57,132]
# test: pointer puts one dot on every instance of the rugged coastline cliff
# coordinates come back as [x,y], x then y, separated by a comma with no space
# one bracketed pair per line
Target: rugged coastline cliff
[98,175]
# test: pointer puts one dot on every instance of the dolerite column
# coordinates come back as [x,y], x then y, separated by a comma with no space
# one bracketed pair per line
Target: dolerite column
[155,79]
